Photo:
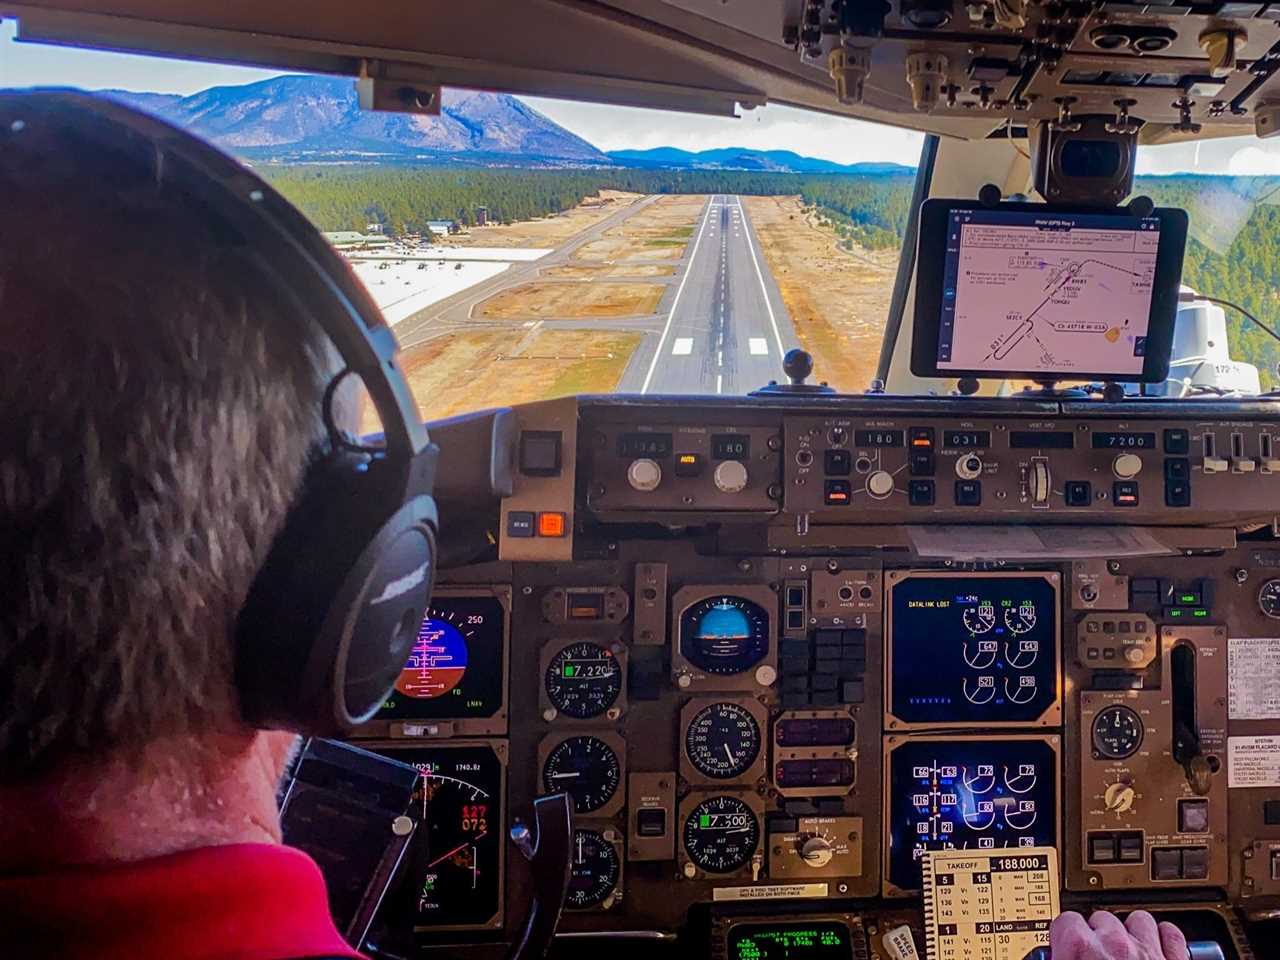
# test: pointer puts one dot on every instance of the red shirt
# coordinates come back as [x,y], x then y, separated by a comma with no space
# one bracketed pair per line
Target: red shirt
[242,902]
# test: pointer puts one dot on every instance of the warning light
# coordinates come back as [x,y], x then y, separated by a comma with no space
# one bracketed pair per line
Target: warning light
[551,524]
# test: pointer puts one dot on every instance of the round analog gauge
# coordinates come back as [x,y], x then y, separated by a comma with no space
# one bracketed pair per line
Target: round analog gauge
[586,768]
[1117,732]
[1269,599]
[723,740]
[439,656]
[721,834]
[1022,618]
[724,635]
[583,680]
[981,618]
[595,870]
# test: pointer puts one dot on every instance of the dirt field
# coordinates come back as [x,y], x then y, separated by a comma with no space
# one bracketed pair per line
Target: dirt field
[550,231]
[473,371]
[620,271]
[659,232]
[838,300]
[571,300]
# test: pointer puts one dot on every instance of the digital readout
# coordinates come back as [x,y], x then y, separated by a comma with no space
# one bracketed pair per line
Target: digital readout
[644,445]
[1124,441]
[1041,440]
[730,446]
[766,941]
[878,438]
[966,438]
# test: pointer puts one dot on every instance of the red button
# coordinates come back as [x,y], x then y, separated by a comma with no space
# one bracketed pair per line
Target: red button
[551,524]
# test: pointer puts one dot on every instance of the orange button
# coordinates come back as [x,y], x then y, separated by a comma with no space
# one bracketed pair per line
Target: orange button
[551,524]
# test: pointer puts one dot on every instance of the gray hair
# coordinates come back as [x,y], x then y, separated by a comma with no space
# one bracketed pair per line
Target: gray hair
[157,412]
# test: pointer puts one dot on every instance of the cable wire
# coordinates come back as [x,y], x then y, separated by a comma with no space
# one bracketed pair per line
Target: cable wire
[1242,310]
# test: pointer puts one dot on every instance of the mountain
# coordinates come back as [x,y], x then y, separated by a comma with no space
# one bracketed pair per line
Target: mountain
[742,158]
[297,118]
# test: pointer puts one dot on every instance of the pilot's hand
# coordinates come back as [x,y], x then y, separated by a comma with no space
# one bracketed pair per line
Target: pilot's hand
[1104,937]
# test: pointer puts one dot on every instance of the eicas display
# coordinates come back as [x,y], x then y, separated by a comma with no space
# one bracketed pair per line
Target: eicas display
[973,649]
[452,876]
[960,792]
[455,670]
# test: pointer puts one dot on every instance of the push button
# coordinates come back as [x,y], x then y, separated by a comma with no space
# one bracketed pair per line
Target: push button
[651,822]
[920,493]
[551,524]
[1078,493]
[836,493]
[1124,493]
[519,523]
[837,463]
[1193,816]
[1130,848]
[1102,849]
[1177,493]
[968,493]
[1195,863]
[1177,442]
[1166,864]
[540,453]
[921,463]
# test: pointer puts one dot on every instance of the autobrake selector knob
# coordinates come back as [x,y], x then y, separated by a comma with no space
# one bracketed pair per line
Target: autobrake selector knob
[1126,466]
[880,484]
[730,476]
[816,852]
[644,475]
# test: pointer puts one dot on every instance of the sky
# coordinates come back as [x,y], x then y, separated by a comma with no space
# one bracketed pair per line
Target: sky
[607,127]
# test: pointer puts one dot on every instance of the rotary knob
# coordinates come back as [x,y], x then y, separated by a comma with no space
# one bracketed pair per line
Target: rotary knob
[644,475]
[1126,466]
[730,477]
[969,466]
[816,852]
[880,484]
[1118,797]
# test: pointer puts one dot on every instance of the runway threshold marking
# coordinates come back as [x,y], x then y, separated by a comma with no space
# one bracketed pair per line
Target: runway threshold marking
[666,327]
[773,321]
[682,347]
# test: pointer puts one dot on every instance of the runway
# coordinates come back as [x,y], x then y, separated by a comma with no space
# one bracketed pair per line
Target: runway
[725,328]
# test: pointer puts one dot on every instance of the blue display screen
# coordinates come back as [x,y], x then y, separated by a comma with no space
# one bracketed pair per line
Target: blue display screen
[950,793]
[973,649]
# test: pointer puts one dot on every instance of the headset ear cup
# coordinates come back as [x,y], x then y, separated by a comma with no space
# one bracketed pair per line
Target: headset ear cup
[333,614]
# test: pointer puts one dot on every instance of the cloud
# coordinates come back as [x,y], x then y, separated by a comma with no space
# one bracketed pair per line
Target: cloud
[1255,162]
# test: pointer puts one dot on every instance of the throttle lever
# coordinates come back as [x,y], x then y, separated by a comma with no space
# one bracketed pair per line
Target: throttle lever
[548,848]
[1196,950]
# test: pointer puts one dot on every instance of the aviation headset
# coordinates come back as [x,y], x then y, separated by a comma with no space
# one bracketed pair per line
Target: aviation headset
[333,614]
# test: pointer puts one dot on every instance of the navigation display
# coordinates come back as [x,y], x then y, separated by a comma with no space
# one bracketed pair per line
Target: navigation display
[455,669]
[1046,292]
[972,649]
[947,793]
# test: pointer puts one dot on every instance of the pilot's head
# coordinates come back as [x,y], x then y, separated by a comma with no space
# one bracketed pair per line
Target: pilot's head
[157,409]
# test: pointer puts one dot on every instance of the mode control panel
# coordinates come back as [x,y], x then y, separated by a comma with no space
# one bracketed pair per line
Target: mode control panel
[890,470]
[670,467]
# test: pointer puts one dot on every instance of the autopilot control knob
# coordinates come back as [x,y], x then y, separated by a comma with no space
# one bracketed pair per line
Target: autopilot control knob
[1126,466]
[1118,797]
[644,475]
[730,476]
[969,466]
[816,852]
[880,484]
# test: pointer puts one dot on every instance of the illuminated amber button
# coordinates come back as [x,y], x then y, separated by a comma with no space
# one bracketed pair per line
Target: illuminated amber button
[551,524]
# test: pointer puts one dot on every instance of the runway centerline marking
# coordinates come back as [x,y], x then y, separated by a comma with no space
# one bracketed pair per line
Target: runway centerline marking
[666,327]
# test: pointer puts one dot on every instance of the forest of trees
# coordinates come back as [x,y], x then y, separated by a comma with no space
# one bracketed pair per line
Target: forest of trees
[403,199]
[1233,253]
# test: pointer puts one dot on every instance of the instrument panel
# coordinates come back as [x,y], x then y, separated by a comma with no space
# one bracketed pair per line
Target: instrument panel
[778,708]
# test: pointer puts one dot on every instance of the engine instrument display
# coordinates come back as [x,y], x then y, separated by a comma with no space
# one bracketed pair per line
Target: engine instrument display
[1269,599]
[584,767]
[724,634]
[583,680]
[721,834]
[453,872]
[595,871]
[945,793]
[436,684]
[722,740]
[973,649]
[817,940]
